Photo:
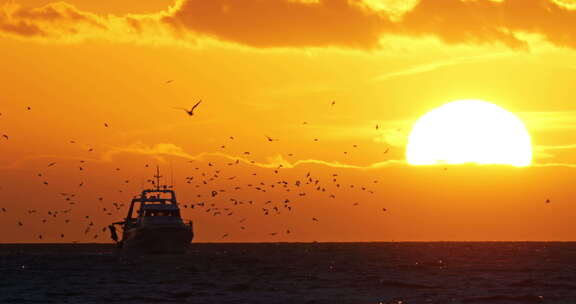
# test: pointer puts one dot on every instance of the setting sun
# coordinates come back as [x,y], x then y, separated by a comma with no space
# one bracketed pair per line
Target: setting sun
[469,131]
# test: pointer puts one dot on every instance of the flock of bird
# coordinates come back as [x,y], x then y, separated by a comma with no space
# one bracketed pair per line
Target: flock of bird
[212,197]
[217,194]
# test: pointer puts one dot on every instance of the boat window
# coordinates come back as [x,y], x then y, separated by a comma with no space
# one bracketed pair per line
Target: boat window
[162,213]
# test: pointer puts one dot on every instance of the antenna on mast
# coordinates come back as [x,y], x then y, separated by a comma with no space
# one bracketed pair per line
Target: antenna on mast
[171,174]
[157,176]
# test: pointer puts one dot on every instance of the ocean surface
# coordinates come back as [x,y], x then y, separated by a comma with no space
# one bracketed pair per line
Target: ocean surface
[293,273]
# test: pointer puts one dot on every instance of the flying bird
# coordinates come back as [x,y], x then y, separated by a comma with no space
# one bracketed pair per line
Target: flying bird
[169,81]
[191,111]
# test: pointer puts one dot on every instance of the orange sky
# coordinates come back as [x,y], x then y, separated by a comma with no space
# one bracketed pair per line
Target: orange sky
[264,68]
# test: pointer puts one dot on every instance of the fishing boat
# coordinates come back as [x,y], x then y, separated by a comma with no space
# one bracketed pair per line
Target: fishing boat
[157,226]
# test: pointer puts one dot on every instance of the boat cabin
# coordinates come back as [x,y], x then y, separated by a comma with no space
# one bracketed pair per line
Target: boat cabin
[158,214]
[156,206]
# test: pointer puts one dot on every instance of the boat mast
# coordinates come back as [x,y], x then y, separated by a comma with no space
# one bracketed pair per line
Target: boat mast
[157,176]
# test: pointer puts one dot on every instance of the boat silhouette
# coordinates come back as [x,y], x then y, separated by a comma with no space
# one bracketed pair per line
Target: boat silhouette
[157,226]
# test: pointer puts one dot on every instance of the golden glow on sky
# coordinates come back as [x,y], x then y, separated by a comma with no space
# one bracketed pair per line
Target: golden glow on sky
[469,131]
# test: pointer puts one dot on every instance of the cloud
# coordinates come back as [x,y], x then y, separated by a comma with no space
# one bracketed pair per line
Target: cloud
[62,22]
[537,121]
[547,123]
[280,23]
[356,24]
[544,151]
[359,24]
[162,150]
[565,165]
[393,9]
[433,66]
[56,19]
[557,147]
[165,149]
[568,4]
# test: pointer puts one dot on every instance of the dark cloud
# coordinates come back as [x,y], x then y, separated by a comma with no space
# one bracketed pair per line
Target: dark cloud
[21,28]
[279,23]
[50,21]
[485,21]
[292,23]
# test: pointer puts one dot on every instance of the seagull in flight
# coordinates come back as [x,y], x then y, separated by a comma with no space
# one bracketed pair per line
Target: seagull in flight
[191,111]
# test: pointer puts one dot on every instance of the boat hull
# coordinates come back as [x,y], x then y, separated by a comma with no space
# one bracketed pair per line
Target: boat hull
[159,239]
